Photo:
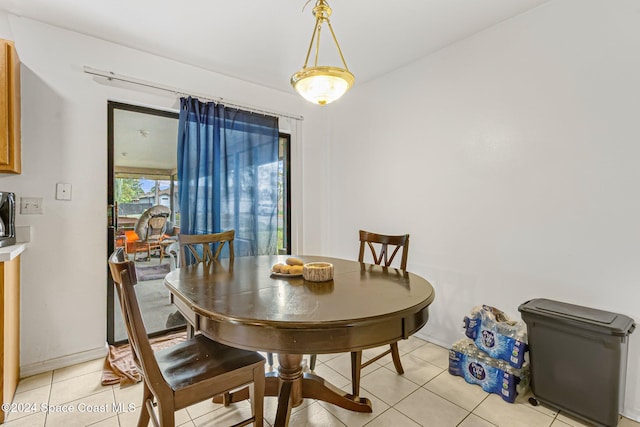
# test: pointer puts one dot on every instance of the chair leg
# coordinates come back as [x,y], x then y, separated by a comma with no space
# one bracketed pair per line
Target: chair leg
[143,420]
[167,415]
[270,359]
[312,361]
[190,331]
[256,393]
[356,367]
[396,358]
[226,399]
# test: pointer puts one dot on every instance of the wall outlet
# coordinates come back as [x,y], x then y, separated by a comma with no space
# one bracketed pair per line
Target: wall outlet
[31,206]
[63,191]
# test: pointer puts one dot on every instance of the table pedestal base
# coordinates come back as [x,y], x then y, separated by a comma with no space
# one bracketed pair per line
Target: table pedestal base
[291,386]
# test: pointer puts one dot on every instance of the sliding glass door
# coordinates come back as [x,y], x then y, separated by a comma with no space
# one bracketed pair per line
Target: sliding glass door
[142,147]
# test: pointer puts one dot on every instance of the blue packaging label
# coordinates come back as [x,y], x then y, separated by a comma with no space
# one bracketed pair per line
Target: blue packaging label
[488,338]
[485,334]
[490,378]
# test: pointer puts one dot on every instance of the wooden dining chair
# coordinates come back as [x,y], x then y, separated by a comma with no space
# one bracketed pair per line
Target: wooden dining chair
[189,372]
[383,249]
[197,248]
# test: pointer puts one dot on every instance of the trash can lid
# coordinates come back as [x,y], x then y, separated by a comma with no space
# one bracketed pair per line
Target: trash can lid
[588,318]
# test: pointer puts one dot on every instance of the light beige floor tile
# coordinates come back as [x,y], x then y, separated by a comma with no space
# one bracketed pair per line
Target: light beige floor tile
[540,407]
[571,420]
[130,418]
[181,417]
[558,423]
[342,365]
[626,422]
[392,418]
[410,344]
[475,421]
[314,415]
[109,422]
[224,416]
[356,419]
[202,408]
[388,386]
[455,389]
[504,414]
[34,381]
[31,420]
[78,370]
[271,407]
[375,351]
[187,424]
[130,395]
[82,412]
[429,409]
[434,354]
[77,387]
[323,358]
[332,376]
[416,370]
[28,403]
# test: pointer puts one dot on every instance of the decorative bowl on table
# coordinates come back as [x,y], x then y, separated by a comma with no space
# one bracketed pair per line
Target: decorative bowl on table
[317,271]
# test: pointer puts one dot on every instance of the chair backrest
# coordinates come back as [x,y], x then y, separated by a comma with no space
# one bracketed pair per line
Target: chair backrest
[141,226]
[123,273]
[173,250]
[199,246]
[156,227]
[381,245]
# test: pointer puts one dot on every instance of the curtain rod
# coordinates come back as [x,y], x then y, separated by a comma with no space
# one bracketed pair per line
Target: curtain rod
[109,75]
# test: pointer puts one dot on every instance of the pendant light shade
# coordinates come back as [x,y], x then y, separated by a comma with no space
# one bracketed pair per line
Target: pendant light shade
[322,84]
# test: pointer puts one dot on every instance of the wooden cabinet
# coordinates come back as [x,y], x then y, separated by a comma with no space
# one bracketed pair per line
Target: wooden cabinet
[10,161]
[9,330]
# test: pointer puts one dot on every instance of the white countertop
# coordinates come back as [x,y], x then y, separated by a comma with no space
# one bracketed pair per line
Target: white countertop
[8,253]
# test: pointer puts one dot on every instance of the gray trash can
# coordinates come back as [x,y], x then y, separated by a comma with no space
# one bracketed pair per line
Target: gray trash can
[578,358]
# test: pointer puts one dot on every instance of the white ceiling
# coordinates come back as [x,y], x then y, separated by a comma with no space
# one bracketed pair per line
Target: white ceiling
[265,42]
[145,141]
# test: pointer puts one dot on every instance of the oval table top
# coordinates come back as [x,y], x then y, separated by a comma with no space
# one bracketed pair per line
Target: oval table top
[248,307]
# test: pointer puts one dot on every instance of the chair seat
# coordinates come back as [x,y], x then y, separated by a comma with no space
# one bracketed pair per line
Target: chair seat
[199,359]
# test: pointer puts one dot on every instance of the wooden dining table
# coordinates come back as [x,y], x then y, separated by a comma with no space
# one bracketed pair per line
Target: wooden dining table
[243,304]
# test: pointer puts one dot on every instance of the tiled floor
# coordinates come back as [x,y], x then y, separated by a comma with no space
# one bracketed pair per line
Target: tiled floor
[426,395]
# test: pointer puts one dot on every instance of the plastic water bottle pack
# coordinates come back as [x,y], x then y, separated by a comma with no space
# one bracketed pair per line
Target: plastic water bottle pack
[493,355]
[494,333]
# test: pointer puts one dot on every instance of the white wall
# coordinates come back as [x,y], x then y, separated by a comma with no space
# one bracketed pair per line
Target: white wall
[512,160]
[64,139]
[516,149]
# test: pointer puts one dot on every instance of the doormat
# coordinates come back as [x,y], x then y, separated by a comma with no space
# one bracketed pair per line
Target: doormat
[152,272]
[119,366]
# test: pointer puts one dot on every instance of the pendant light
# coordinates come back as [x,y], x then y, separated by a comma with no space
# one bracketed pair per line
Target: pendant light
[322,84]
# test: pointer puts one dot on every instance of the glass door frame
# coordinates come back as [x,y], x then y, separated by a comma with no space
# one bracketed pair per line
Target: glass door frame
[112,213]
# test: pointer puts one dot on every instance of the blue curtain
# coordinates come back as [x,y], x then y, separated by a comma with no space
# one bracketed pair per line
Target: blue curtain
[228,174]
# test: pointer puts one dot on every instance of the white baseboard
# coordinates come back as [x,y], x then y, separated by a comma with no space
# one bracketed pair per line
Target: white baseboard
[62,362]
[633,415]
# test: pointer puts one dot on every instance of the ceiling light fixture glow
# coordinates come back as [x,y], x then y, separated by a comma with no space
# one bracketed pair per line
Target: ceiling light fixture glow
[322,84]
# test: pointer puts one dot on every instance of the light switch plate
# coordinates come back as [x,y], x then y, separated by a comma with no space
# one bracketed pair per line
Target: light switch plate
[63,191]
[31,206]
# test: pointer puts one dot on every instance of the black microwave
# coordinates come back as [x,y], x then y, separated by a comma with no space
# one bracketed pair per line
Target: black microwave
[7,218]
